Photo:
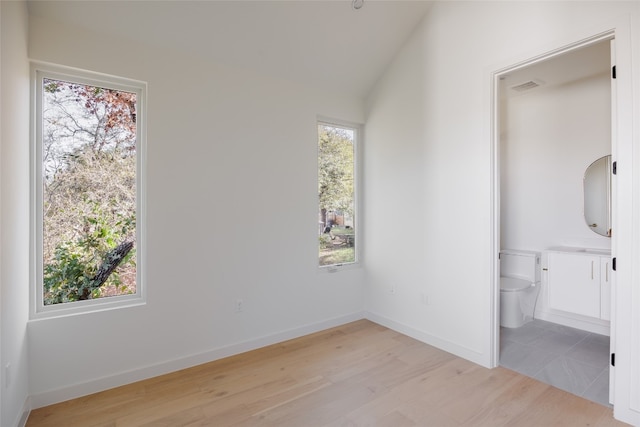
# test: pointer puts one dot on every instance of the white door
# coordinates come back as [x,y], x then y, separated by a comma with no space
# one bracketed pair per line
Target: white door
[610,311]
[625,304]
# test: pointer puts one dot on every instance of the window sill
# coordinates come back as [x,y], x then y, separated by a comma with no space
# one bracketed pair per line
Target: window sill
[338,267]
[86,307]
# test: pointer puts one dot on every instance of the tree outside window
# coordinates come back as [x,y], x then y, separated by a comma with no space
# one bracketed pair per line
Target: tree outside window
[88,176]
[336,194]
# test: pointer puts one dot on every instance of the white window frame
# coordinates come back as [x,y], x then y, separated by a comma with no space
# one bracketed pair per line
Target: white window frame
[40,71]
[357,141]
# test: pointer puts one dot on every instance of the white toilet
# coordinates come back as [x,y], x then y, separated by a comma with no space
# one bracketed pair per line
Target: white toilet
[519,286]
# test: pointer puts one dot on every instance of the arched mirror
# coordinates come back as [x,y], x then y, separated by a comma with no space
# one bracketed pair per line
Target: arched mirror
[597,196]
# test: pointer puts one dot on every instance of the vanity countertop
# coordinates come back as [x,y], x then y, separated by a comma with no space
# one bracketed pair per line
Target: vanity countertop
[579,250]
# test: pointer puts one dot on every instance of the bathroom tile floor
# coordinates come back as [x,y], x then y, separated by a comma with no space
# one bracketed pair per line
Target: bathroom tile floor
[569,359]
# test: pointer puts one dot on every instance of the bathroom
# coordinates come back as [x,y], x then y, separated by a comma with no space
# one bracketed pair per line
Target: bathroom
[555,121]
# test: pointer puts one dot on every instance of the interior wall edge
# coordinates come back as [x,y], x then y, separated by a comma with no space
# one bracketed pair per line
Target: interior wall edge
[51,397]
[467,353]
[24,414]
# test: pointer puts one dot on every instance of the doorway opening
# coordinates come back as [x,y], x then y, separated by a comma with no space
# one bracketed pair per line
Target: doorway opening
[552,119]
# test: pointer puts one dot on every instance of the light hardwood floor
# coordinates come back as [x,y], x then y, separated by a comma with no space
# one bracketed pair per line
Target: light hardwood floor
[359,374]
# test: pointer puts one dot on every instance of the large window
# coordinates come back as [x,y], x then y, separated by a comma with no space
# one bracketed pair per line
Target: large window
[337,194]
[87,161]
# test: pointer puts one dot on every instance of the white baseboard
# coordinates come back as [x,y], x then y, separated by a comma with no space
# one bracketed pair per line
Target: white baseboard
[595,326]
[24,413]
[442,344]
[100,384]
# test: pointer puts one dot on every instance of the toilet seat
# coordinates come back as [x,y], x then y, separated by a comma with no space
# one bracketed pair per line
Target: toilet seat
[511,284]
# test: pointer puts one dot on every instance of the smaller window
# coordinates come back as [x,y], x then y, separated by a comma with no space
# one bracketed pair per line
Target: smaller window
[337,194]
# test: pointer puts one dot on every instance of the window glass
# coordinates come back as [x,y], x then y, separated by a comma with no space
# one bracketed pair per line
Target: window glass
[87,211]
[336,194]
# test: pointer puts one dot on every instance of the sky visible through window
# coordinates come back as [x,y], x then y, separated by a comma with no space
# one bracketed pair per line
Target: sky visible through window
[89,192]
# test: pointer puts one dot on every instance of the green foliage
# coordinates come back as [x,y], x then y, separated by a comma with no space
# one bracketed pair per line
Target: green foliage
[324,241]
[335,248]
[343,230]
[342,255]
[89,189]
[51,86]
[335,190]
[335,169]
[70,275]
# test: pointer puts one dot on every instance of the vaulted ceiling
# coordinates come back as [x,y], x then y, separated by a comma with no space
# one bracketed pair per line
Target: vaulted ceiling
[324,43]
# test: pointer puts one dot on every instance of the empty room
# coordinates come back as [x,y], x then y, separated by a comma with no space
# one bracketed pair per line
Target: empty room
[296,213]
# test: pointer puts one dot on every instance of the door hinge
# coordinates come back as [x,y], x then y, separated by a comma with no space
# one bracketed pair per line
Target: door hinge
[614,168]
[613,72]
[613,264]
[613,359]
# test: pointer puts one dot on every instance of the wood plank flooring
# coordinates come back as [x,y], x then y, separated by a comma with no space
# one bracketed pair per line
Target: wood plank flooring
[359,374]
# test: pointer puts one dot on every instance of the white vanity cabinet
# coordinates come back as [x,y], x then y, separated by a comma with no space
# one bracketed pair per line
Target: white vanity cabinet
[579,282]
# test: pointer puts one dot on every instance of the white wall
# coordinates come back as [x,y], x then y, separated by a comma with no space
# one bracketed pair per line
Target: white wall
[232,213]
[429,162]
[14,213]
[550,136]
[427,204]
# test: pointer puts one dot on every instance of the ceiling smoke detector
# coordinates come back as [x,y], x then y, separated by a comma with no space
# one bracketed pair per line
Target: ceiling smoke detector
[528,85]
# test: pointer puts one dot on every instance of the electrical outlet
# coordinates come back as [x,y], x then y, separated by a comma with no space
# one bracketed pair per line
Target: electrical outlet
[239,305]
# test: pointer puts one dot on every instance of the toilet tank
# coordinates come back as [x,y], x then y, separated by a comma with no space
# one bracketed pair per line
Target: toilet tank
[520,264]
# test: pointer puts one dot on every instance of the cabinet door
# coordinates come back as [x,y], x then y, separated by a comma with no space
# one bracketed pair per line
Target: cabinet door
[605,288]
[574,283]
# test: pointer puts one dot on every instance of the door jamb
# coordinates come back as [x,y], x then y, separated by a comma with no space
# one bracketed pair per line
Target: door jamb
[495,176]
